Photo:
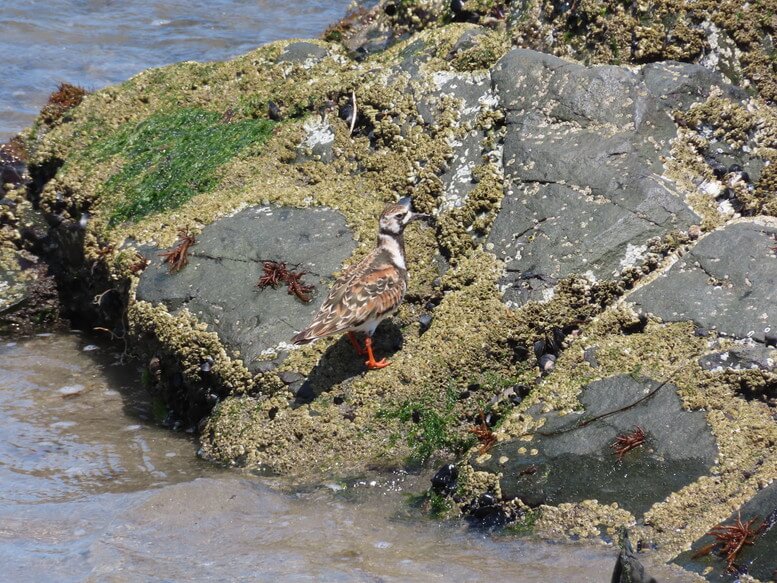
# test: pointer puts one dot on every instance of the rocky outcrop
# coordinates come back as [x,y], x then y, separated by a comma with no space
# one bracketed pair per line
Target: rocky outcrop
[587,143]
[28,293]
[726,36]
[602,241]
[219,285]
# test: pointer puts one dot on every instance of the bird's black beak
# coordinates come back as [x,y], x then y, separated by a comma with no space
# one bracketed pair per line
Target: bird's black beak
[413,216]
[422,217]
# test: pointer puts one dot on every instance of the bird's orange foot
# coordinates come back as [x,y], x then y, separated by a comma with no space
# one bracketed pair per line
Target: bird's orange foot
[371,363]
[375,365]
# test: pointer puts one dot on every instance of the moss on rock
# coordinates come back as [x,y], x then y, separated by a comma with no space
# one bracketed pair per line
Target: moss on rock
[168,159]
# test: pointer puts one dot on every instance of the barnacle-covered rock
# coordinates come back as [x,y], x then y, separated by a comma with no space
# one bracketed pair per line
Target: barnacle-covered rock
[255,322]
[598,227]
[757,558]
[587,455]
[727,282]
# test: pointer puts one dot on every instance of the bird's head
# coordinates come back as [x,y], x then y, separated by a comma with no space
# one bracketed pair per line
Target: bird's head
[397,215]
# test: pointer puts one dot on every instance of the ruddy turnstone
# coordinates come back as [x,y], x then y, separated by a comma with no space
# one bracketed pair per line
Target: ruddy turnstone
[369,291]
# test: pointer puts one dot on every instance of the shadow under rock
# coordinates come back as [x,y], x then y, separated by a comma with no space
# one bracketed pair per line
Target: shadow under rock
[340,362]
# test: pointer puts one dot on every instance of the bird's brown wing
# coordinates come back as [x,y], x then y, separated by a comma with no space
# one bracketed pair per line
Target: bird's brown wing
[371,289]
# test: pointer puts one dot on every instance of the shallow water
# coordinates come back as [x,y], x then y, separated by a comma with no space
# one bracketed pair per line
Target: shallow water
[94,43]
[92,489]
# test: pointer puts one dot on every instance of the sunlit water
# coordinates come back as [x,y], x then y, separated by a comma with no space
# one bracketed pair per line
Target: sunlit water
[94,43]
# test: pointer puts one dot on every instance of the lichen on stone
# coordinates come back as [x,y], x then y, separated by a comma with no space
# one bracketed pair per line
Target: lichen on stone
[190,344]
[583,520]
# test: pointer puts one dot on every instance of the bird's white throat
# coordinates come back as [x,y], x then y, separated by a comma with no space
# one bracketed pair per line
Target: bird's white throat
[394,246]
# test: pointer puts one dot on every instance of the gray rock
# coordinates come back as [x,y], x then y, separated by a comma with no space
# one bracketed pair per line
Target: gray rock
[302,53]
[475,94]
[412,57]
[758,560]
[727,282]
[263,366]
[744,358]
[219,283]
[579,464]
[679,85]
[582,157]
[289,377]
[470,38]
[425,320]
[589,355]
[318,142]
[628,568]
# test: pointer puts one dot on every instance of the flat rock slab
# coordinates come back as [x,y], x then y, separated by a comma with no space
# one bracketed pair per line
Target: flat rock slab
[727,283]
[572,465]
[582,159]
[219,283]
[758,560]
[302,53]
[745,358]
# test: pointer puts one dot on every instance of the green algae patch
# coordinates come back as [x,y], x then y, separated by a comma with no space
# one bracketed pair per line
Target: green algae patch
[169,158]
[525,525]
[427,426]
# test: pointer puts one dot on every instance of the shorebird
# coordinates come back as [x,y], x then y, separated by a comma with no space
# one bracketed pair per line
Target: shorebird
[369,291]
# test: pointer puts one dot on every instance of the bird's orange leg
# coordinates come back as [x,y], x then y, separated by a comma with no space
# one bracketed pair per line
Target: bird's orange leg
[371,362]
[355,343]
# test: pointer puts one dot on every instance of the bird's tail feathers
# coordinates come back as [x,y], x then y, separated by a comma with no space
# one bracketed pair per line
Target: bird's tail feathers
[304,337]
